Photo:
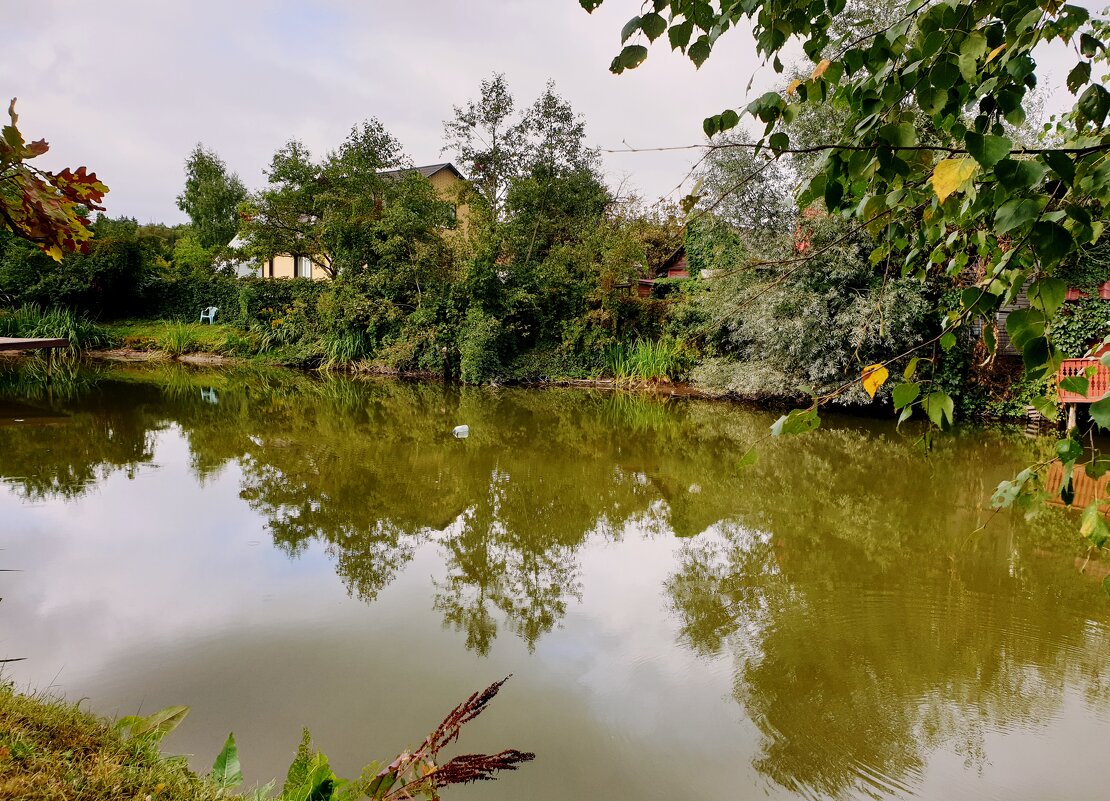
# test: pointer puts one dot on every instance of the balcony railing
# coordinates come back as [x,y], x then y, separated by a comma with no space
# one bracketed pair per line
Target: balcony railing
[1098,382]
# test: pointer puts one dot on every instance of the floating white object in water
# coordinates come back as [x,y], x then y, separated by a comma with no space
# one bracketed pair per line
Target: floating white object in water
[461,432]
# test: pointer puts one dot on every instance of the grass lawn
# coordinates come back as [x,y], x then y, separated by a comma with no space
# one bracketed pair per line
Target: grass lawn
[50,750]
[171,336]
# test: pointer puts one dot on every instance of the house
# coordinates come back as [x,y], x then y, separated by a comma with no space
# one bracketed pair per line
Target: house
[450,186]
[1005,346]
[676,266]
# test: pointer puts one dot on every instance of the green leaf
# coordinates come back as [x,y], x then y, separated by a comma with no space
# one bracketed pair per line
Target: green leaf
[948,340]
[729,119]
[1077,384]
[748,459]
[987,150]
[1068,450]
[1079,75]
[1061,164]
[1047,294]
[699,51]
[1046,406]
[905,394]
[1092,525]
[157,725]
[629,29]
[1016,213]
[653,26]
[1100,412]
[1008,491]
[799,421]
[1024,325]
[632,56]
[902,134]
[226,771]
[1097,467]
[1051,242]
[679,35]
[1018,174]
[911,368]
[1094,104]
[1089,45]
[779,141]
[939,407]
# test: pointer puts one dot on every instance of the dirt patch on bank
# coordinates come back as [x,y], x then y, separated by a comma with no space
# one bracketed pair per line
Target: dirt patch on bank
[131,355]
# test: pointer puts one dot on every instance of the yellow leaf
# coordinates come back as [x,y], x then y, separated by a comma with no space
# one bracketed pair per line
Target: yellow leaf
[874,376]
[950,174]
[995,52]
[793,87]
[819,70]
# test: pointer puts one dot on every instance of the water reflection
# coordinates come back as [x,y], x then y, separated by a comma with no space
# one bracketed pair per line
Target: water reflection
[867,630]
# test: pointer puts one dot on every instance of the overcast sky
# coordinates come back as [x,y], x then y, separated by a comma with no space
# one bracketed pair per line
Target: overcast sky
[129,87]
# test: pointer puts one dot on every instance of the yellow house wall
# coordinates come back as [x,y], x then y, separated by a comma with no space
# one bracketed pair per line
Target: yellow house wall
[450,187]
[284,268]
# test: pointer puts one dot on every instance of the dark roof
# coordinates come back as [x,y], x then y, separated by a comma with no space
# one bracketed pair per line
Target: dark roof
[427,170]
[678,255]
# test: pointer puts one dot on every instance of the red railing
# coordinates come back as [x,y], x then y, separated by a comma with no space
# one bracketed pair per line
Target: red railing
[1098,382]
[1075,294]
[1086,489]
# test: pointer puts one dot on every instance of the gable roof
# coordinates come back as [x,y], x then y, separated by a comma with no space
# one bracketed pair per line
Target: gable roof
[427,171]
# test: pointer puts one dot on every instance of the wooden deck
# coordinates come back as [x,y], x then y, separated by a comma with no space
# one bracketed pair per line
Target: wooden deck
[16,343]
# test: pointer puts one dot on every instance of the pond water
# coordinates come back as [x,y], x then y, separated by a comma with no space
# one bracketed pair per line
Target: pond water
[278,551]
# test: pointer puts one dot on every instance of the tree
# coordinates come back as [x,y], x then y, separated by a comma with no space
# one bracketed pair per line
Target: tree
[925,159]
[46,208]
[497,147]
[332,209]
[486,140]
[749,191]
[211,198]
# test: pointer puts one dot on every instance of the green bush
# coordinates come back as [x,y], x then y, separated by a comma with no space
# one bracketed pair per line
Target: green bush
[479,358]
[1080,325]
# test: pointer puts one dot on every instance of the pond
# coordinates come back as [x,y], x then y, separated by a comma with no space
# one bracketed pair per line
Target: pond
[844,619]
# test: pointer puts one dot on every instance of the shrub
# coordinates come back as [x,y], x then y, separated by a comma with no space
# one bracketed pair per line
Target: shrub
[1080,325]
[479,359]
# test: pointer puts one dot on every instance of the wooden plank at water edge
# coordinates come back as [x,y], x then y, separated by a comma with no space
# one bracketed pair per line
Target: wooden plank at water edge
[17,343]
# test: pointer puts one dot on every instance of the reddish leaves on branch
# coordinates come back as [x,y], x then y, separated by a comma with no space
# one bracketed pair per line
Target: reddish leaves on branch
[48,209]
[415,772]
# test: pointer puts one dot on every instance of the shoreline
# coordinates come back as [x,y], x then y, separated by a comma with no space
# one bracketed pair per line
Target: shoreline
[125,355]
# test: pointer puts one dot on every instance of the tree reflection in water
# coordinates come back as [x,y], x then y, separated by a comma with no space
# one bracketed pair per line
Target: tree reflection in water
[867,625]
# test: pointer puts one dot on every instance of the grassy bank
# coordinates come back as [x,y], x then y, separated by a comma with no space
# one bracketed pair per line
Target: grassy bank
[50,750]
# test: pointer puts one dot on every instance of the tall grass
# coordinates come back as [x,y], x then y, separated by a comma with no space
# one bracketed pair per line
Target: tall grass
[178,339]
[32,321]
[345,348]
[646,361]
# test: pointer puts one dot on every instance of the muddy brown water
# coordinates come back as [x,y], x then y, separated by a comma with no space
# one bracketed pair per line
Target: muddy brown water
[280,551]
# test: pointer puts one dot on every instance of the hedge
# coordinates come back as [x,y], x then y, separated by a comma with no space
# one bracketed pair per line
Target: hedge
[240,300]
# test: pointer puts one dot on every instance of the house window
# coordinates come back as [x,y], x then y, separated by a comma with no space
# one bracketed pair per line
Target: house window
[452,215]
[303,267]
[270,266]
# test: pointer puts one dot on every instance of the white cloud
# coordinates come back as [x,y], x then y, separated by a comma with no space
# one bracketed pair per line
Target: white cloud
[128,87]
